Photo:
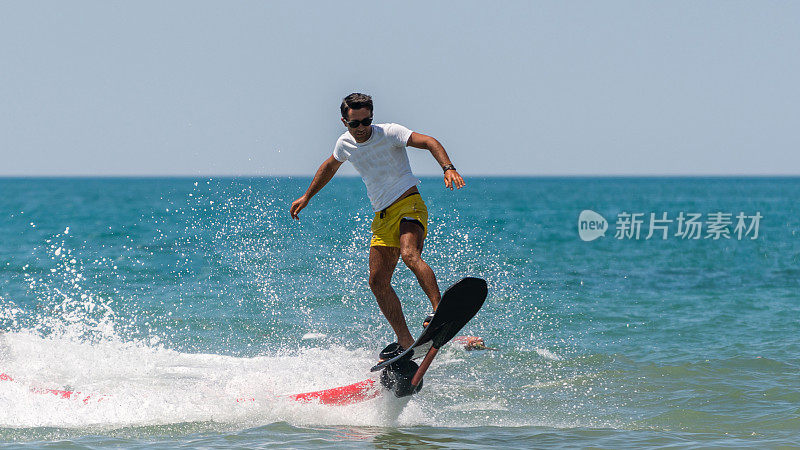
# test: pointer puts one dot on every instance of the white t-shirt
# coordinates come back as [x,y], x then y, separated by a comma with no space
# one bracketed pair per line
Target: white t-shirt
[381,161]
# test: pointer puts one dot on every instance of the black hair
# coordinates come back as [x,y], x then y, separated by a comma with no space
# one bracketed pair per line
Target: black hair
[356,101]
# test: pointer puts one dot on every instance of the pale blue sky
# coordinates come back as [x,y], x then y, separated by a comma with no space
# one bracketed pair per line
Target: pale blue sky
[510,88]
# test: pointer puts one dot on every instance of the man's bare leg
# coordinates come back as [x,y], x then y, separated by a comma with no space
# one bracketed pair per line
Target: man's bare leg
[411,242]
[382,261]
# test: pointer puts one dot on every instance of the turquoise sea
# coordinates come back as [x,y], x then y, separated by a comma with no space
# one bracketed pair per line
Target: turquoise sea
[166,300]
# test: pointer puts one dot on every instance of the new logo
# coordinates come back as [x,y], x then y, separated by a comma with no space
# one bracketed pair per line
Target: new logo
[591,225]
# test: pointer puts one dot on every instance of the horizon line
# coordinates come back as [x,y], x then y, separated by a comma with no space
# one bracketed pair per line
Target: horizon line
[231,176]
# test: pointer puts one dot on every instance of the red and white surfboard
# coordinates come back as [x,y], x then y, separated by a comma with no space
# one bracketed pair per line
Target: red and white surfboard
[70,395]
[343,395]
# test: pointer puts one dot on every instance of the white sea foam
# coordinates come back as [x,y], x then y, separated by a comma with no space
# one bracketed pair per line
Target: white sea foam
[311,336]
[133,384]
[547,354]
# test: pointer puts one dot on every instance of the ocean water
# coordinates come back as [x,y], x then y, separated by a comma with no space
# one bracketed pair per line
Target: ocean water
[166,300]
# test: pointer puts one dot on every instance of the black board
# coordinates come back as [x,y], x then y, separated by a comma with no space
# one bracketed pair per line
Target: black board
[459,304]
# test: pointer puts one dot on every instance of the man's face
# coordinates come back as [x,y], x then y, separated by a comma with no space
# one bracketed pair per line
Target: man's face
[361,132]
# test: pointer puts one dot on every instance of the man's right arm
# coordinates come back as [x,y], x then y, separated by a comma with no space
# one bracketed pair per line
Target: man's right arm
[324,174]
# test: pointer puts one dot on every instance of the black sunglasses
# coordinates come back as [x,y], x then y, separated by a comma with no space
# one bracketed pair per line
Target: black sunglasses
[354,123]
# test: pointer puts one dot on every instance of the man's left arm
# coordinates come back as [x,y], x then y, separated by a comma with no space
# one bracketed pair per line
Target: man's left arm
[451,176]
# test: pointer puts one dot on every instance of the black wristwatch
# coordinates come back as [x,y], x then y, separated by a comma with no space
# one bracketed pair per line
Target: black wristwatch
[448,167]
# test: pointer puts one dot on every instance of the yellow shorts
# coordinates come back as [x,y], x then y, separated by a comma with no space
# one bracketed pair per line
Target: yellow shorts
[386,224]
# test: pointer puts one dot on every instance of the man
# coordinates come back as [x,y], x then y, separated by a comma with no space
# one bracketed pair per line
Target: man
[401,218]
